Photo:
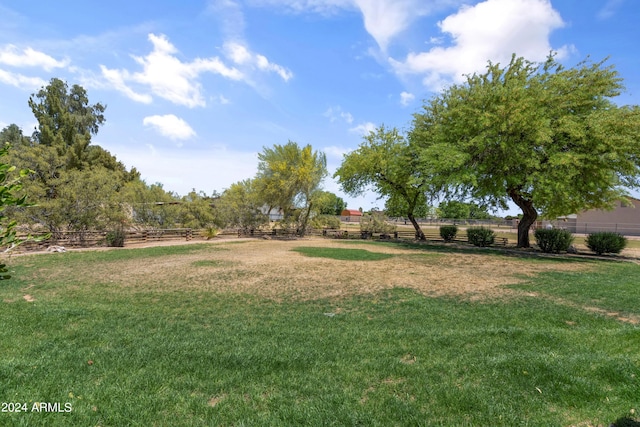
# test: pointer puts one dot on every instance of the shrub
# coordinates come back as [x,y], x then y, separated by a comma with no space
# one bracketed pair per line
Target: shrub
[480,236]
[210,232]
[605,242]
[325,221]
[115,238]
[376,223]
[554,240]
[448,232]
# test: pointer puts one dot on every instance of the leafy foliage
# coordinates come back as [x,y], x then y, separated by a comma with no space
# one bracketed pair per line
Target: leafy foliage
[480,236]
[8,187]
[240,206]
[74,185]
[554,240]
[288,178]
[454,209]
[327,203]
[388,163]
[606,242]
[115,238]
[376,222]
[210,232]
[547,138]
[448,232]
[397,207]
[325,221]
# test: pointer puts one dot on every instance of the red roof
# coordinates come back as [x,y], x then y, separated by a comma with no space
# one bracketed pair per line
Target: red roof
[351,212]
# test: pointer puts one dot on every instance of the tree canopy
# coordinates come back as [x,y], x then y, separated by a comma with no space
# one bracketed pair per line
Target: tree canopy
[289,176]
[454,209]
[547,138]
[239,206]
[328,203]
[388,163]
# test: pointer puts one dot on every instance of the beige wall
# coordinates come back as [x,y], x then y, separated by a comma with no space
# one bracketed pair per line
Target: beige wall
[622,219]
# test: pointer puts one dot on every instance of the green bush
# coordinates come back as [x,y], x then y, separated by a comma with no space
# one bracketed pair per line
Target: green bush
[448,232]
[325,221]
[480,236]
[553,240]
[376,222]
[210,232]
[606,242]
[115,238]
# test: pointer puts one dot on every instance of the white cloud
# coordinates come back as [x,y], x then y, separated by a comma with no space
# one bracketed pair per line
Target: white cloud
[229,15]
[335,113]
[609,9]
[167,76]
[336,152]
[325,7]
[242,56]
[406,98]
[11,55]
[383,19]
[222,99]
[364,128]
[21,81]
[491,30]
[170,126]
[116,79]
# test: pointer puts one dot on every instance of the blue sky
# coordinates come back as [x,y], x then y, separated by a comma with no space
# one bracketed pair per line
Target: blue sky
[195,89]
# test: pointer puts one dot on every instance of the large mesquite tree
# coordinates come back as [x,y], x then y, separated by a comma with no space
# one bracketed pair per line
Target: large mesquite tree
[547,138]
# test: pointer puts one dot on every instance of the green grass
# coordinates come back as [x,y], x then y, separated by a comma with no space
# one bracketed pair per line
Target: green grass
[343,254]
[613,287]
[193,358]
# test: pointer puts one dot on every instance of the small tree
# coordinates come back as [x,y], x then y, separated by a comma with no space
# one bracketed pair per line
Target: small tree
[376,222]
[389,164]
[288,178]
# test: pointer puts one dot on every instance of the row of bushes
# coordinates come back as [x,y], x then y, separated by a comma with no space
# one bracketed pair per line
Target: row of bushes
[478,236]
[603,242]
[550,241]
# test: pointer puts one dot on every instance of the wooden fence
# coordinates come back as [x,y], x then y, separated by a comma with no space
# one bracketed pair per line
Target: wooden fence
[88,239]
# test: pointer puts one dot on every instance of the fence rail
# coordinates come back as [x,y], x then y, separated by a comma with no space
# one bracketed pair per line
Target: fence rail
[88,239]
[75,239]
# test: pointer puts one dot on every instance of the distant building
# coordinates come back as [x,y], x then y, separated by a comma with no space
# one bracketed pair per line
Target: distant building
[350,215]
[623,219]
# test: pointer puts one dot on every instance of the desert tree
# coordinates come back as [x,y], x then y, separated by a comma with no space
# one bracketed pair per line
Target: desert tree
[547,138]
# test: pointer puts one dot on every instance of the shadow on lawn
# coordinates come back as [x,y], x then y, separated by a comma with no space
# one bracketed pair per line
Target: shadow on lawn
[625,422]
[492,251]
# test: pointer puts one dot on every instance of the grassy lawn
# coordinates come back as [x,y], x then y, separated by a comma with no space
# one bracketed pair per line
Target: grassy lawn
[317,332]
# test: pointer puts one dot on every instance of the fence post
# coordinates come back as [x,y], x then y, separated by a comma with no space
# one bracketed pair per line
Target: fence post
[145,235]
[188,234]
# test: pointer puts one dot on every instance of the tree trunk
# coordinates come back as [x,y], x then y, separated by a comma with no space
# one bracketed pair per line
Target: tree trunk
[303,229]
[419,234]
[529,216]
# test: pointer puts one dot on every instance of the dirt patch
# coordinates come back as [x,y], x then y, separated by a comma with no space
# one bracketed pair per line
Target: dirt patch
[271,269]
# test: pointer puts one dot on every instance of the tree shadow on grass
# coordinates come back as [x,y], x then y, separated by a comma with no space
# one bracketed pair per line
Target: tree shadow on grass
[625,422]
[490,251]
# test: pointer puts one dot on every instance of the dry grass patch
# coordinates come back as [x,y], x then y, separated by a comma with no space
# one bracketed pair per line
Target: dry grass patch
[272,269]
